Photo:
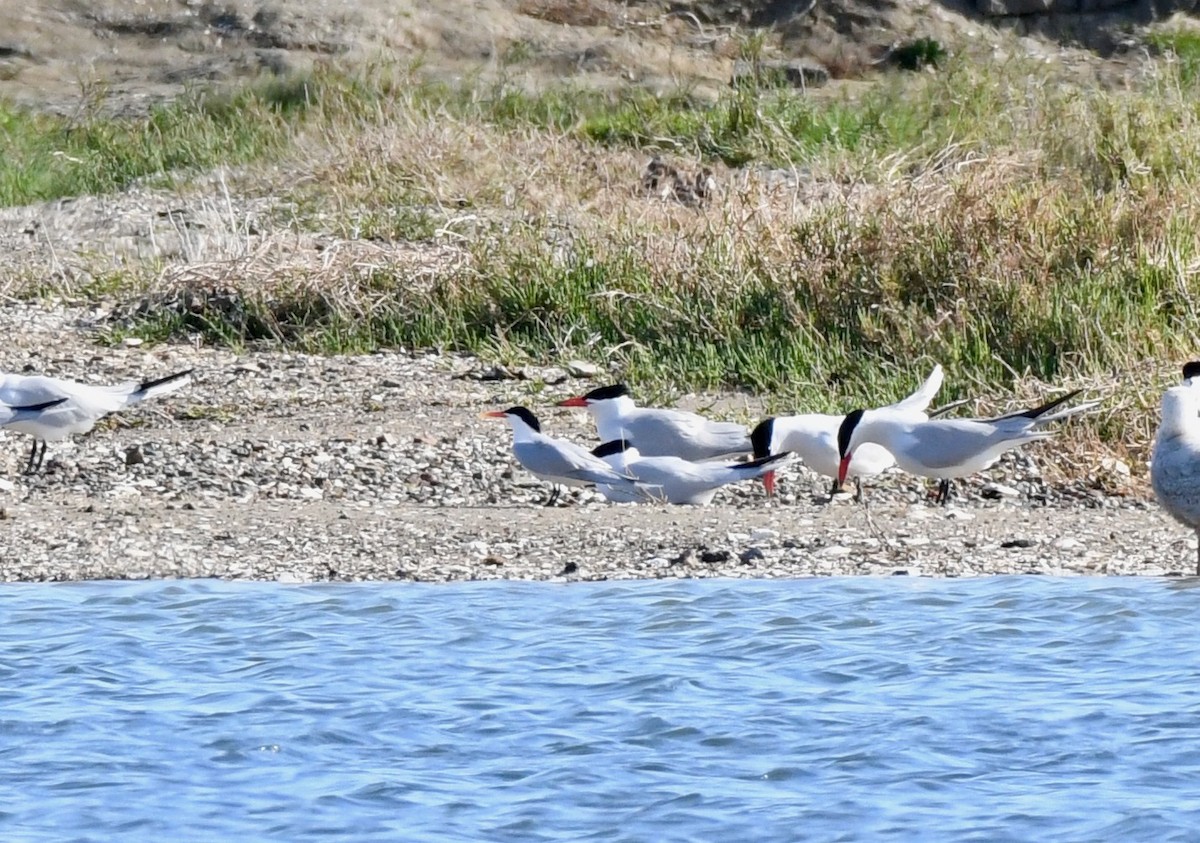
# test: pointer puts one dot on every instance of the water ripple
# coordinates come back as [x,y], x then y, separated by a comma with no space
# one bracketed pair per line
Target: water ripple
[837,709]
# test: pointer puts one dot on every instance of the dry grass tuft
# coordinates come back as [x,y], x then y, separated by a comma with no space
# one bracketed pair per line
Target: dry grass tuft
[1026,232]
[572,12]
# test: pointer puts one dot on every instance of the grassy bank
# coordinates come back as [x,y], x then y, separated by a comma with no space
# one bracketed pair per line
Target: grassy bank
[997,217]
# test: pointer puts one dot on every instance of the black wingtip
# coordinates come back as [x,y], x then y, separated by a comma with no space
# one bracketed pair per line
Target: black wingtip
[37,408]
[148,385]
[761,436]
[615,446]
[1036,412]
[1191,369]
[846,430]
[758,462]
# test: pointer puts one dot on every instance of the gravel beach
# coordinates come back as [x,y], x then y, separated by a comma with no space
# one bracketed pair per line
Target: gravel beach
[295,468]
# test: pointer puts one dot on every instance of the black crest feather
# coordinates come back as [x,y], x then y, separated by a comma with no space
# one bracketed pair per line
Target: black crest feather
[847,430]
[526,416]
[604,393]
[760,437]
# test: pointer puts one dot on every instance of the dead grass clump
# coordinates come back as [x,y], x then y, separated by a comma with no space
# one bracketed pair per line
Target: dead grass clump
[571,12]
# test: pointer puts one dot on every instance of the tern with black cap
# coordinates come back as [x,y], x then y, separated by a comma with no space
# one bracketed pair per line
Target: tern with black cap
[558,461]
[813,438]
[675,480]
[1175,461]
[660,432]
[944,449]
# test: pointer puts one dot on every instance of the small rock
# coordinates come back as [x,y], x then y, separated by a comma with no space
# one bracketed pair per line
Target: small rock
[714,557]
[132,342]
[582,369]
[1115,466]
[497,373]
[996,491]
[751,554]
[569,568]
[478,548]
[134,455]
[763,534]
[1014,543]
[834,551]
[497,561]
[385,440]
[684,558]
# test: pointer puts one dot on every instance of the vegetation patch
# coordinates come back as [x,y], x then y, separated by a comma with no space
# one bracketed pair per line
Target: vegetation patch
[994,217]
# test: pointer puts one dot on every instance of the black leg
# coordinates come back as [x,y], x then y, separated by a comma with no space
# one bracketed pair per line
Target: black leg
[555,491]
[858,492]
[35,459]
[834,489]
[943,492]
[41,456]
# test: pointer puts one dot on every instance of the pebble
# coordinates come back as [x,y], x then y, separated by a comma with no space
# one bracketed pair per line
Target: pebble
[269,467]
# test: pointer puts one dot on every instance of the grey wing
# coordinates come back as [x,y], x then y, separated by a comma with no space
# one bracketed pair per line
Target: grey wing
[556,458]
[16,391]
[686,435]
[954,442]
[919,400]
[949,443]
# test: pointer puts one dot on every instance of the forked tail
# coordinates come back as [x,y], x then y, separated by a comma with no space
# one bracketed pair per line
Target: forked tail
[161,386]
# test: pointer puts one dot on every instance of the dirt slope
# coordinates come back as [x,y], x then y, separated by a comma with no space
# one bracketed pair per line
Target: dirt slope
[53,53]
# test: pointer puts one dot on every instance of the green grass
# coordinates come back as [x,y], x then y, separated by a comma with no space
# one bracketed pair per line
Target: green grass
[1012,223]
[49,156]
[835,327]
[1184,46]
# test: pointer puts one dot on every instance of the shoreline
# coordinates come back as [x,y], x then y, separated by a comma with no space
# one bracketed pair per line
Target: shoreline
[298,468]
[314,541]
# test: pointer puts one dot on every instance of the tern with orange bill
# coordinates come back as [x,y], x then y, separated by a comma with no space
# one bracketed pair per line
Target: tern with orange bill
[675,480]
[660,432]
[558,461]
[944,449]
[813,437]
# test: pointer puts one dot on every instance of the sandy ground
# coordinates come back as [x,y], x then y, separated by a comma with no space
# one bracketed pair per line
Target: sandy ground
[286,467]
[295,468]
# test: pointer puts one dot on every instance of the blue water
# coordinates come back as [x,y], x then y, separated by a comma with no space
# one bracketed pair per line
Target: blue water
[827,709]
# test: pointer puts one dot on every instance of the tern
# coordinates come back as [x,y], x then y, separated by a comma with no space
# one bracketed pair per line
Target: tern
[943,449]
[660,432]
[1175,461]
[676,480]
[813,437]
[73,407]
[556,460]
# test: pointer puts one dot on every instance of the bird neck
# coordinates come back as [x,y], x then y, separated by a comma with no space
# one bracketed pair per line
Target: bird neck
[521,431]
[1180,414]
